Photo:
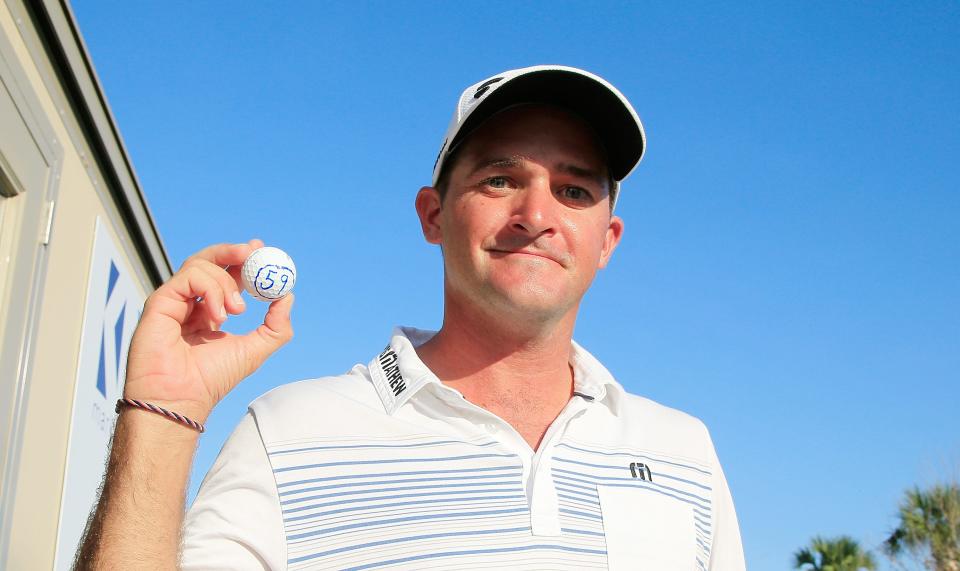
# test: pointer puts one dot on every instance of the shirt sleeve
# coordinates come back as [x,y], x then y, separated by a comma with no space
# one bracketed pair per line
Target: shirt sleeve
[235,521]
[726,552]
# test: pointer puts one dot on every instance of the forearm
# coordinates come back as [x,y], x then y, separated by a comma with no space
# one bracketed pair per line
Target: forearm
[138,520]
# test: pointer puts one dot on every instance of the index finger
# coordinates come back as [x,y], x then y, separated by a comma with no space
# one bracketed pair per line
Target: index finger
[225,255]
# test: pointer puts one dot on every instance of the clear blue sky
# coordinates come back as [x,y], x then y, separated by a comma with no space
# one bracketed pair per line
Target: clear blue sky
[790,271]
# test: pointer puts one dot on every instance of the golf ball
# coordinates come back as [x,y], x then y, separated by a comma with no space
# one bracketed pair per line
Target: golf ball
[268,274]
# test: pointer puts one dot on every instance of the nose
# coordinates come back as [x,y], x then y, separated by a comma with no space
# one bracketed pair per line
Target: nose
[534,210]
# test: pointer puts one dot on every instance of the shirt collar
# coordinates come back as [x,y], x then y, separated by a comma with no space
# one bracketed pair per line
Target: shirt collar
[591,380]
[398,373]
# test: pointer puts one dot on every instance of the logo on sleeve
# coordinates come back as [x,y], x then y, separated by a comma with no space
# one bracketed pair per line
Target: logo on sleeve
[391,370]
[642,471]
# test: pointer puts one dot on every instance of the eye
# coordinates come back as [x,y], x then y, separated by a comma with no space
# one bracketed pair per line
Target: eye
[495,182]
[575,193]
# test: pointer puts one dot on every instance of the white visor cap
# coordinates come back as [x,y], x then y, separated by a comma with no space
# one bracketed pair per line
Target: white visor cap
[589,96]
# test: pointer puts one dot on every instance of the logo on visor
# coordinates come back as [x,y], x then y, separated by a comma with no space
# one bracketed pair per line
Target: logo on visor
[391,370]
[485,87]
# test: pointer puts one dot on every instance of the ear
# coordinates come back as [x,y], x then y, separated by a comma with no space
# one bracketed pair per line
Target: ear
[610,240]
[428,209]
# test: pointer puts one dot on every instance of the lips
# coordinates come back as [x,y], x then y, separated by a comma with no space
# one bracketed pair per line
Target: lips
[526,252]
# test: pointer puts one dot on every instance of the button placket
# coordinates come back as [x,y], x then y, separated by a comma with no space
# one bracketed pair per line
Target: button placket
[544,503]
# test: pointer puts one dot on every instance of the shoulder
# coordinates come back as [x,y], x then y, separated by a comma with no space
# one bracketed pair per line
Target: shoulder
[352,384]
[635,406]
[665,429]
[299,408]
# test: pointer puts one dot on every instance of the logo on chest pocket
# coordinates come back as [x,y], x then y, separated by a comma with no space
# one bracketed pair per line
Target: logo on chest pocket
[641,471]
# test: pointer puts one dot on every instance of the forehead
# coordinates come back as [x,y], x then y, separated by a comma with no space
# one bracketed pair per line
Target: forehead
[531,130]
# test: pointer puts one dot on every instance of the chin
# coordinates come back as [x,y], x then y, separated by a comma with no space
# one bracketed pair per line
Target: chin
[534,300]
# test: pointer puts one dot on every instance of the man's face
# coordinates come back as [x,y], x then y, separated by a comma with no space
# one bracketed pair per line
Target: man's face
[525,222]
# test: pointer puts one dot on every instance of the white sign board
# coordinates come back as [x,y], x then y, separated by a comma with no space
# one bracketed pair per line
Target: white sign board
[113,307]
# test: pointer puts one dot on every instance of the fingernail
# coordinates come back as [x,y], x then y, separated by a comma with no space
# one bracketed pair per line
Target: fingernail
[223,313]
[238,299]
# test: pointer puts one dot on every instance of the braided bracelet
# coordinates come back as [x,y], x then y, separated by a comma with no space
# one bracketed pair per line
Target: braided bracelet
[167,413]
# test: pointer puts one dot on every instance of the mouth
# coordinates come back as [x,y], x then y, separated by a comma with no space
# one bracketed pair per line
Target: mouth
[497,253]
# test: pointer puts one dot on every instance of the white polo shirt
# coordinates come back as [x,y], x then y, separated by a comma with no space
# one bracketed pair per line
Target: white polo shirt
[386,468]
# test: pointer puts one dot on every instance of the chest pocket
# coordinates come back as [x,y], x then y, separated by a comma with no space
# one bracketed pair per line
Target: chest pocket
[647,530]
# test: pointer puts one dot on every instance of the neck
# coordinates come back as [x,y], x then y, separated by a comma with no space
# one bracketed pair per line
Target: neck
[516,370]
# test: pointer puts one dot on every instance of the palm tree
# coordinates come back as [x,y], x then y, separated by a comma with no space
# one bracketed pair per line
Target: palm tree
[929,527]
[838,554]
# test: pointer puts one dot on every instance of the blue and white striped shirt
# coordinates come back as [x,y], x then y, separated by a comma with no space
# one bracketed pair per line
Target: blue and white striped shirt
[386,468]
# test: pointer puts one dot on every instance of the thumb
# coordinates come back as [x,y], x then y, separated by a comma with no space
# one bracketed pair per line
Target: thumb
[275,331]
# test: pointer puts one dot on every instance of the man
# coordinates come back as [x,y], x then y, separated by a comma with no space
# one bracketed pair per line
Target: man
[495,442]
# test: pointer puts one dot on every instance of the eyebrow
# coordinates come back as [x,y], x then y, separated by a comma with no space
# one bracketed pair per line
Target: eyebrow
[500,162]
[518,160]
[581,172]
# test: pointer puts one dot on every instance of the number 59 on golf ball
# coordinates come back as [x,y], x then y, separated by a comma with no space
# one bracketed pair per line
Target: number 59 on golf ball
[268,274]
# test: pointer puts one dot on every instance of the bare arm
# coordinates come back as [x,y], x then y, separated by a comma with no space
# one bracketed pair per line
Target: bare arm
[137,521]
[181,361]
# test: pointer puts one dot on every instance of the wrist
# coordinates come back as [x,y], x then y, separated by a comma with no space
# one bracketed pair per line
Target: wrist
[154,434]
[160,420]
[191,408]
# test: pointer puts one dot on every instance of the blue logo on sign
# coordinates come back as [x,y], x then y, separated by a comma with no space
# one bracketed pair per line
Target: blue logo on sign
[111,327]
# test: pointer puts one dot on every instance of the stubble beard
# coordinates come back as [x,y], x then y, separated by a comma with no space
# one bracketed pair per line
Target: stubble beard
[523,307]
